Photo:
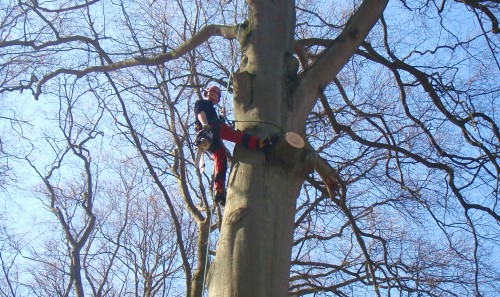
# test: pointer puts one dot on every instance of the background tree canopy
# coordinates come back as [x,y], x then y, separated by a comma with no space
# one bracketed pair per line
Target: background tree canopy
[100,195]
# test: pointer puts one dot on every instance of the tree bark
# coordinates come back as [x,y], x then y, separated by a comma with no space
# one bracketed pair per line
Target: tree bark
[255,244]
[253,253]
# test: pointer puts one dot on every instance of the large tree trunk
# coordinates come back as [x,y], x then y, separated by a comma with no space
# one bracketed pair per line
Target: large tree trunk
[254,248]
[253,253]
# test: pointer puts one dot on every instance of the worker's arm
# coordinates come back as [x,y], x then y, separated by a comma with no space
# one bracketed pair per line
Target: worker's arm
[202,117]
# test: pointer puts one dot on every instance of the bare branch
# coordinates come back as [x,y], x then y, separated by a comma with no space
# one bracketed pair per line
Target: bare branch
[337,54]
[200,37]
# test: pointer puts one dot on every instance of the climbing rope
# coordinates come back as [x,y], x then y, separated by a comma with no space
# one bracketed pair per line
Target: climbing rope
[230,77]
[212,210]
[224,99]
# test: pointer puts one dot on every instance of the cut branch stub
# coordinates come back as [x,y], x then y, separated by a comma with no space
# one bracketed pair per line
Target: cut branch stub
[290,149]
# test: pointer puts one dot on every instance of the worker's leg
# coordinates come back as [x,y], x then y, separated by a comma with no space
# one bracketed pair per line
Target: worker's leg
[238,137]
[220,168]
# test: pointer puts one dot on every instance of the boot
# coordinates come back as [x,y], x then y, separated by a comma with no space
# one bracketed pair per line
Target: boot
[220,197]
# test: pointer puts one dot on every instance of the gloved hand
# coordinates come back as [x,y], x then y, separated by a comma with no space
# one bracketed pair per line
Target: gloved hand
[206,127]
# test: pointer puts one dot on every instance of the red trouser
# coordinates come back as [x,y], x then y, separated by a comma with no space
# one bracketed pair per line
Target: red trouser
[223,131]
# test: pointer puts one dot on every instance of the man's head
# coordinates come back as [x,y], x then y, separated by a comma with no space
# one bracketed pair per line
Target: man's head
[212,94]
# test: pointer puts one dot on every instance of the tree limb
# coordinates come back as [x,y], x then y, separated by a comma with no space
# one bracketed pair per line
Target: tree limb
[337,55]
[333,182]
[228,32]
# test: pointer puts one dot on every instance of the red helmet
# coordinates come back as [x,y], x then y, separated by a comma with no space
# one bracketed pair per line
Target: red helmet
[211,89]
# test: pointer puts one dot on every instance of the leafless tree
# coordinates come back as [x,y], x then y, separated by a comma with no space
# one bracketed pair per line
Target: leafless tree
[9,277]
[395,192]
[72,199]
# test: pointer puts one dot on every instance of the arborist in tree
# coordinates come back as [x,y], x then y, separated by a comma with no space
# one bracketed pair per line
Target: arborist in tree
[207,120]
